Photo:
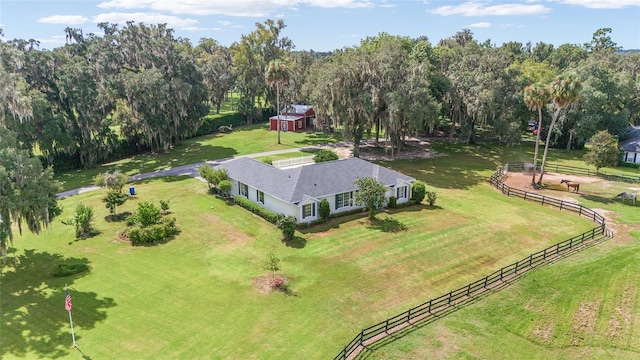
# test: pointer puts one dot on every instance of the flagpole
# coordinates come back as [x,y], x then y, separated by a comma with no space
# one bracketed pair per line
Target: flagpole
[73,335]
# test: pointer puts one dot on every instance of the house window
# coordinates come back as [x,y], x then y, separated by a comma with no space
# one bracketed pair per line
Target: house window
[260,196]
[299,124]
[308,210]
[243,190]
[344,200]
[401,192]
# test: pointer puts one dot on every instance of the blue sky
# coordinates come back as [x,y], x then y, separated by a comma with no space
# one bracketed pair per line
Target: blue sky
[326,25]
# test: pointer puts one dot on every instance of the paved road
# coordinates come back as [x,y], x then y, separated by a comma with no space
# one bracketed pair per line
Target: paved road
[188,170]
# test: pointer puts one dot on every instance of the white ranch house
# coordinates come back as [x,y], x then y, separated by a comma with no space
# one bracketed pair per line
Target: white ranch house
[298,191]
[630,144]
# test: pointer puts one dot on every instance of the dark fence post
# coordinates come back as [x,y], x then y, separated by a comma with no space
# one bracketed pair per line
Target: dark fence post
[530,259]
[501,271]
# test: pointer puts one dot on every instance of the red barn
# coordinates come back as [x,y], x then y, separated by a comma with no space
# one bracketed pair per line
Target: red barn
[293,118]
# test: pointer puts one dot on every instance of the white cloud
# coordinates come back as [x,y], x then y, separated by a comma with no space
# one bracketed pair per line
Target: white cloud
[473,8]
[253,8]
[54,39]
[602,4]
[64,19]
[196,28]
[480,25]
[147,18]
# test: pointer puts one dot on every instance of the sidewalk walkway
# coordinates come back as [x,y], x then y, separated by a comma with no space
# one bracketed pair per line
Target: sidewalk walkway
[188,170]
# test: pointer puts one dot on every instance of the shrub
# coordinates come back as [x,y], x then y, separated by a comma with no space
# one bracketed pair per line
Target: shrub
[418,192]
[287,224]
[164,206]
[325,155]
[211,123]
[153,234]
[431,197]
[130,220]
[324,210]
[268,161]
[266,214]
[114,199]
[147,214]
[70,269]
[225,186]
[206,172]
[114,181]
[392,201]
[82,221]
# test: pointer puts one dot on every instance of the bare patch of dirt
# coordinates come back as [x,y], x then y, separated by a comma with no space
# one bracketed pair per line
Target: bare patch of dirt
[413,148]
[623,317]
[543,332]
[584,321]
[523,181]
[591,187]
[269,284]
[235,238]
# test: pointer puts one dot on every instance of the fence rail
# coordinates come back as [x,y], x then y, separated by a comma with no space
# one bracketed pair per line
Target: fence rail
[430,309]
[496,180]
[293,161]
[572,170]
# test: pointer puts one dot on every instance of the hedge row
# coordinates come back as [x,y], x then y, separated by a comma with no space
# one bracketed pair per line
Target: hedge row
[122,148]
[266,214]
[211,124]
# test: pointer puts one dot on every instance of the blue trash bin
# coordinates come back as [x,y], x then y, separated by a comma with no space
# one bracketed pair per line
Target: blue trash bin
[132,190]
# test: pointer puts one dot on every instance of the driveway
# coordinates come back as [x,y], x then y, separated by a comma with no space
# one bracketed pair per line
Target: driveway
[188,170]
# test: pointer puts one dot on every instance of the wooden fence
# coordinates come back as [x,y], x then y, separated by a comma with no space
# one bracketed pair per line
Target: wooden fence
[572,170]
[434,307]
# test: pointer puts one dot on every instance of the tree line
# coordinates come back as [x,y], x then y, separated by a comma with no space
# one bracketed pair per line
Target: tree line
[141,84]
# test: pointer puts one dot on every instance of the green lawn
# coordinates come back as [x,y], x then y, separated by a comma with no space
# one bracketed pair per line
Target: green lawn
[242,141]
[194,297]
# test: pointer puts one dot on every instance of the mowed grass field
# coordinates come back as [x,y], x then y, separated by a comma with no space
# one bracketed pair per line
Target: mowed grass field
[194,297]
[585,306]
[242,141]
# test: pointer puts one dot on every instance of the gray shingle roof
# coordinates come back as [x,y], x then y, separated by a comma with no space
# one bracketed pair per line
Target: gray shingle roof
[316,180]
[632,145]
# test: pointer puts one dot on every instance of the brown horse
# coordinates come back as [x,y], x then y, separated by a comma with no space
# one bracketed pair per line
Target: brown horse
[571,184]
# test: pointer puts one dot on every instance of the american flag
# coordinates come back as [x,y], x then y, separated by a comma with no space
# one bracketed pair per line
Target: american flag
[67,301]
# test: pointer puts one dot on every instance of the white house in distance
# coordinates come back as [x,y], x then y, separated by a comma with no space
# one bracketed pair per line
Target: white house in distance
[298,191]
[630,144]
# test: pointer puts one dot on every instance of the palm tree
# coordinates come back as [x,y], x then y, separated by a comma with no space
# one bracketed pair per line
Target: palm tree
[536,96]
[277,74]
[565,90]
